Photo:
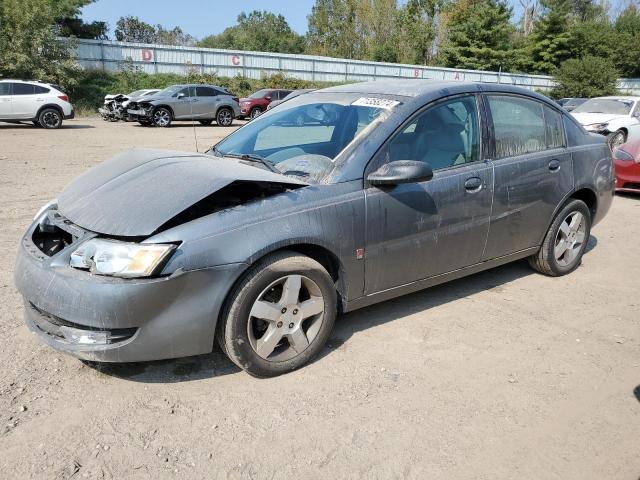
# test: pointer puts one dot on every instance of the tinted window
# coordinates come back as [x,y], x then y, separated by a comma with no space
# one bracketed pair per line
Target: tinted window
[205,92]
[575,135]
[444,136]
[5,88]
[23,89]
[554,133]
[185,92]
[39,89]
[518,125]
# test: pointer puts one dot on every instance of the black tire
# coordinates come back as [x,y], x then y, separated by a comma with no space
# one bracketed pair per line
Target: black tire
[50,118]
[232,332]
[205,123]
[162,117]
[545,260]
[145,123]
[224,117]
[616,139]
[255,113]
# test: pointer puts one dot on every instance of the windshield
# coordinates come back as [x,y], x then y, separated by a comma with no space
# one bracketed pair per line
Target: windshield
[303,137]
[170,90]
[137,93]
[606,105]
[259,94]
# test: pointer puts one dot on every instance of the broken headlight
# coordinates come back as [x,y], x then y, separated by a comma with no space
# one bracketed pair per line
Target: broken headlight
[597,127]
[120,259]
[47,206]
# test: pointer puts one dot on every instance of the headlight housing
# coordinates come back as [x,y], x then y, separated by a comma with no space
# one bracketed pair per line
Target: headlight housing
[623,155]
[47,206]
[597,126]
[120,259]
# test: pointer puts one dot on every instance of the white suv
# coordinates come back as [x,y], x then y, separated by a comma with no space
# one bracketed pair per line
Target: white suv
[41,103]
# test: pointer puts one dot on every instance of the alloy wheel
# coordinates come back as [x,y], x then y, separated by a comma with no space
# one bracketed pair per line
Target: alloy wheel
[50,119]
[225,118]
[255,113]
[286,318]
[616,140]
[569,239]
[161,118]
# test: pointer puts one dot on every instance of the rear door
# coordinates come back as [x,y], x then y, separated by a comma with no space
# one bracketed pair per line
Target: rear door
[533,171]
[5,100]
[419,230]
[207,101]
[25,102]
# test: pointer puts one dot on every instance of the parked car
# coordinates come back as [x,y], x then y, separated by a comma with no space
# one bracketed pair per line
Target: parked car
[43,104]
[626,160]
[570,104]
[292,94]
[258,102]
[115,105]
[204,103]
[262,240]
[617,118]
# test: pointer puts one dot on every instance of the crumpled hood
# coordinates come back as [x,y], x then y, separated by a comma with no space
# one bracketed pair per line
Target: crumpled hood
[590,118]
[137,192]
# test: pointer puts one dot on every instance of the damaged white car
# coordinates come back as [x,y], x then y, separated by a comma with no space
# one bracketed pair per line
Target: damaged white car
[618,118]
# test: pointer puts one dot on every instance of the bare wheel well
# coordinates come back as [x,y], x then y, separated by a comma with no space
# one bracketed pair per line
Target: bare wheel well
[589,197]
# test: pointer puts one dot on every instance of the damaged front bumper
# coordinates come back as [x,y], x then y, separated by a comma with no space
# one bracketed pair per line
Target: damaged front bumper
[111,319]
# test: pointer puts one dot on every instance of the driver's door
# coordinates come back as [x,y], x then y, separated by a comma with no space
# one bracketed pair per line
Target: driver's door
[183,106]
[419,230]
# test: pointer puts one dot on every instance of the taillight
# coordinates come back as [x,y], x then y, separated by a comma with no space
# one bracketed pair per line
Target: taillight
[64,98]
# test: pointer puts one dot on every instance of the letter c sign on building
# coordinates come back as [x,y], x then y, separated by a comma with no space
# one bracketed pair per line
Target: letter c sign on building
[236,60]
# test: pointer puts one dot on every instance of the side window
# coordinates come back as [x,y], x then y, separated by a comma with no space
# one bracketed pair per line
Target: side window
[518,125]
[554,130]
[184,91]
[40,90]
[445,135]
[575,135]
[205,92]
[5,88]
[23,89]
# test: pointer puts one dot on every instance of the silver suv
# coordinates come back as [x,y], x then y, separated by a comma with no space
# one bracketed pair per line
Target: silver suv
[44,104]
[204,103]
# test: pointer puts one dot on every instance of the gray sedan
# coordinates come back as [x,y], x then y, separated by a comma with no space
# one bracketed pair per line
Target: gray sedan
[385,188]
[204,103]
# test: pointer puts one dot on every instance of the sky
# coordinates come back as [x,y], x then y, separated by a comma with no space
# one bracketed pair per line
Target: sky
[196,17]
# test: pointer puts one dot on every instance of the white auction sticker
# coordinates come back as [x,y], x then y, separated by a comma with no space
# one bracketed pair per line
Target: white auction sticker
[376,102]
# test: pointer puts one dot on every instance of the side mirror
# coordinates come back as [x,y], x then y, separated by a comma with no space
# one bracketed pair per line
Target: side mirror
[268,97]
[401,171]
[181,95]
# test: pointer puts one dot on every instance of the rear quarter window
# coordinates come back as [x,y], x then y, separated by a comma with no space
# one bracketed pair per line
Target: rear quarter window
[575,134]
[39,90]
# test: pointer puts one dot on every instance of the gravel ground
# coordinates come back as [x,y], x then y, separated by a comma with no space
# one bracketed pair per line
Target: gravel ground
[503,375]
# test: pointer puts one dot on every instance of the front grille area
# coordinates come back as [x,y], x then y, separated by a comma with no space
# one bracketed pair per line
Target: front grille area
[50,324]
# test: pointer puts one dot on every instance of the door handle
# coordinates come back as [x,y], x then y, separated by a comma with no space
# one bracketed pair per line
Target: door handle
[473,184]
[554,165]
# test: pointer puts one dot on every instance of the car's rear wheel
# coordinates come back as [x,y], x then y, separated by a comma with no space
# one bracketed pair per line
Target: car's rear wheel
[255,113]
[206,123]
[162,117]
[565,241]
[617,139]
[224,118]
[279,316]
[50,118]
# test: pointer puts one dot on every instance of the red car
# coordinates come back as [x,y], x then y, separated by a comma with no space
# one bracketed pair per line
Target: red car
[257,102]
[627,163]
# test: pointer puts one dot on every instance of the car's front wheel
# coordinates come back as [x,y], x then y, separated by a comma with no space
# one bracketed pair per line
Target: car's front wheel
[565,241]
[50,118]
[162,117]
[224,118]
[279,316]
[255,113]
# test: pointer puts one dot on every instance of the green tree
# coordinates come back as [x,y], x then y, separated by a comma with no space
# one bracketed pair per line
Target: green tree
[479,35]
[626,42]
[586,77]
[133,30]
[333,29]
[257,31]
[416,25]
[29,47]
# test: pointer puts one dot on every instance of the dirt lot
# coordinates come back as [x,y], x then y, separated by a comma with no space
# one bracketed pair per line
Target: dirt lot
[504,375]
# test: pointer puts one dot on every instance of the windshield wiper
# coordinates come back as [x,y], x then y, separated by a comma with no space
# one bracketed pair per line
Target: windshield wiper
[252,158]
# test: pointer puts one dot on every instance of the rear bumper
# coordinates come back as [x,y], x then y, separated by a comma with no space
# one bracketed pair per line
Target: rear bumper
[144,319]
[71,115]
